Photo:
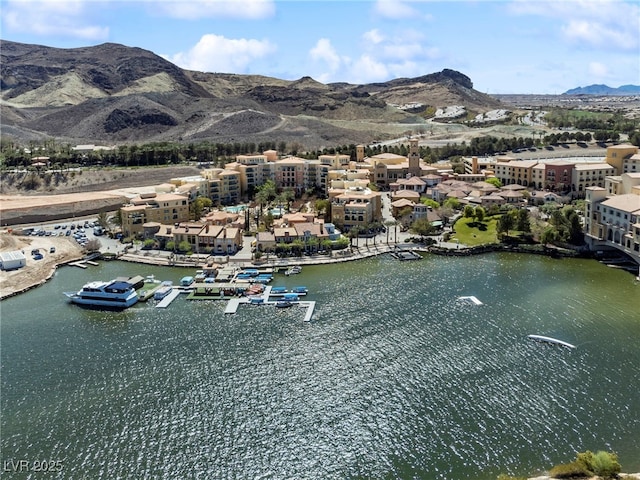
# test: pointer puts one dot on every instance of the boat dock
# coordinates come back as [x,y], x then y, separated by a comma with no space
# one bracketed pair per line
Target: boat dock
[404,255]
[555,341]
[470,299]
[234,303]
[166,301]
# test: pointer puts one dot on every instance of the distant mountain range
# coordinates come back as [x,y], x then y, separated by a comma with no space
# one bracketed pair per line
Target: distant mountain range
[604,90]
[116,94]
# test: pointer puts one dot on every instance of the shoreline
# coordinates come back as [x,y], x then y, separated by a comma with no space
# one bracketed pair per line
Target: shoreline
[152,257]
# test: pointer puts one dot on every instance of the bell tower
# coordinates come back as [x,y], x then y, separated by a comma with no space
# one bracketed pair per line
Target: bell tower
[414,158]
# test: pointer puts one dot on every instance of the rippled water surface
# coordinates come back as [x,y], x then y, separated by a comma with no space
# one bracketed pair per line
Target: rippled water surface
[393,378]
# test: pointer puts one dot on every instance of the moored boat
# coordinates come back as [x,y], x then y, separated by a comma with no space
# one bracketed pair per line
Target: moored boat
[115,294]
[300,290]
[283,304]
[162,292]
[293,270]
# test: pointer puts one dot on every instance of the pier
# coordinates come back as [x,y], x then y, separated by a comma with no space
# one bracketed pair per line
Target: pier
[470,299]
[166,301]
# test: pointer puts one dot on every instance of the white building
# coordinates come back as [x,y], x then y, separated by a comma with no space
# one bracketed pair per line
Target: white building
[12,260]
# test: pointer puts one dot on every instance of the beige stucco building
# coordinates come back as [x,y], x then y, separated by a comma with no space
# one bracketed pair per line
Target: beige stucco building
[613,221]
[163,208]
[356,207]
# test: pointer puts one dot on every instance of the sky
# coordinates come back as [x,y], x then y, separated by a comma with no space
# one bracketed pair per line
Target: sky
[507,46]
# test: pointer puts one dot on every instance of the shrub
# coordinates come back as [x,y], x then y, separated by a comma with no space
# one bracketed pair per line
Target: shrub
[603,464]
[570,470]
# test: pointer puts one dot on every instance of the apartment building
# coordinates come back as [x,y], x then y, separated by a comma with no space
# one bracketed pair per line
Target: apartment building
[205,238]
[518,172]
[289,173]
[555,175]
[613,221]
[590,175]
[224,185]
[625,158]
[163,208]
[356,207]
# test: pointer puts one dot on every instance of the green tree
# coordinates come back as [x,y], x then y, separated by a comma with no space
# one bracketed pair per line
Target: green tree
[198,206]
[429,202]
[505,223]
[423,227]
[452,203]
[494,181]
[468,211]
[184,247]
[479,213]
[522,220]
[323,207]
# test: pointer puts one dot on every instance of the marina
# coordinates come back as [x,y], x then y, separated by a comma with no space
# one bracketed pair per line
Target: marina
[437,373]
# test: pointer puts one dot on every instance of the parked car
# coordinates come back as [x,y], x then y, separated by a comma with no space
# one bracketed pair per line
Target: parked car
[38,256]
[52,250]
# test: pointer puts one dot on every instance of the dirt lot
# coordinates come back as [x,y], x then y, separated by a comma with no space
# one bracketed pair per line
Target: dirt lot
[36,271]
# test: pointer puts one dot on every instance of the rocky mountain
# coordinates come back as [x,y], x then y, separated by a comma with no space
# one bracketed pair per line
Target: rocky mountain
[116,94]
[598,89]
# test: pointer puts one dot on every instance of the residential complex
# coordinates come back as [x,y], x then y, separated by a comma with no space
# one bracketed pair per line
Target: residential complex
[613,220]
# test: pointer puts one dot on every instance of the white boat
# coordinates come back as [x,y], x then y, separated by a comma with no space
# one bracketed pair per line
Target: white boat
[555,341]
[293,270]
[115,294]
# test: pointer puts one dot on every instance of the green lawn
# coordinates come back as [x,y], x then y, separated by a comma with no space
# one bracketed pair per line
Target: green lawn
[469,232]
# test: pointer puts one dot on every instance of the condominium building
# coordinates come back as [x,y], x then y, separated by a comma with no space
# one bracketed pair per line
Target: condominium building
[205,238]
[163,208]
[613,221]
[356,207]
[590,175]
[625,158]
[224,185]
[518,172]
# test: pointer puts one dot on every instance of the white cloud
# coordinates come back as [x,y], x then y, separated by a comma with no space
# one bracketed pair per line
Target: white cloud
[395,9]
[69,18]
[367,69]
[324,51]
[599,35]
[215,53]
[373,37]
[197,9]
[606,24]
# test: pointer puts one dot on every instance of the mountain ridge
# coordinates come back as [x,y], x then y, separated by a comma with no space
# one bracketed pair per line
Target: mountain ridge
[601,89]
[118,94]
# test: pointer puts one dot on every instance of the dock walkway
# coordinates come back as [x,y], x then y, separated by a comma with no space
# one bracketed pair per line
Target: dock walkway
[166,301]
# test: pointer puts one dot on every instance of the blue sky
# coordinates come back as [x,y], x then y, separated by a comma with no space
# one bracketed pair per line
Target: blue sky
[508,46]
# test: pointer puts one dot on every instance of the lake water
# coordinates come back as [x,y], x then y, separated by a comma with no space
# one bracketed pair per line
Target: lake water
[392,378]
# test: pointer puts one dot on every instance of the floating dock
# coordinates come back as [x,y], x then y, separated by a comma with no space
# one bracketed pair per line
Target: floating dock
[555,341]
[166,301]
[470,299]
[234,304]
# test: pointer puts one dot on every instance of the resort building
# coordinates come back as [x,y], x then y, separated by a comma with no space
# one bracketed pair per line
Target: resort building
[554,175]
[519,172]
[625,158]
[590,175]
[163,208]
[614,221]
[205,238]
[356,207]
[224,185]
[389,168]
